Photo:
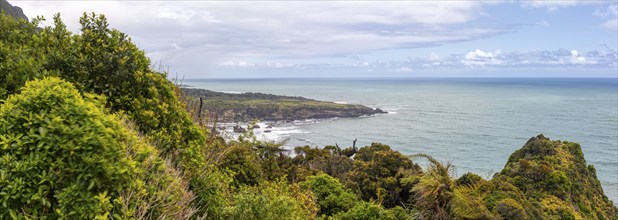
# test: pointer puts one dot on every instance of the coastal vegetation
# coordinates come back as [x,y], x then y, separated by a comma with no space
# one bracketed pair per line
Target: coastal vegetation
[228,107]
[88,129]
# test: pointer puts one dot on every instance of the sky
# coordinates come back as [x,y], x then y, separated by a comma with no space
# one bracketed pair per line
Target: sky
[290,39]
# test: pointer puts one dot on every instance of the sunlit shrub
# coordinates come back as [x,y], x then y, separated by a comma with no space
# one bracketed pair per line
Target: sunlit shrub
[331,195]
[63,157]
[273,200]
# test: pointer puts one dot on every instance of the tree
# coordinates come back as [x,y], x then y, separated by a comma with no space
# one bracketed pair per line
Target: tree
[383,175]
[331,195]
[244,162]
[19,56]
[106,62]
[328,160]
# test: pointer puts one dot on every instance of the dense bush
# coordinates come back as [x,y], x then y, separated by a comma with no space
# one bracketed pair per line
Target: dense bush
[19,61]
[63,157]
[104,61]
[468,179]
[243,161]
[544,179]
[273,200]
[383,175]
[367,210]
[331,195]
[330,160]
[556,174]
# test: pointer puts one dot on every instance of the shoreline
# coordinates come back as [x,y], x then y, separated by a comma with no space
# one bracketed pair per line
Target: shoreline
[249,106]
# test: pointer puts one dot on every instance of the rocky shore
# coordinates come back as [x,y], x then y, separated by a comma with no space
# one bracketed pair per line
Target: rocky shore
[244,107]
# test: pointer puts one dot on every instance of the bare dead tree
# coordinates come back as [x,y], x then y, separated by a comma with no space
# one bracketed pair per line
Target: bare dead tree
[199,112]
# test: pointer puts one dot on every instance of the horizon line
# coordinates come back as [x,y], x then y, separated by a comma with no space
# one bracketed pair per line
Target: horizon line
[406,77]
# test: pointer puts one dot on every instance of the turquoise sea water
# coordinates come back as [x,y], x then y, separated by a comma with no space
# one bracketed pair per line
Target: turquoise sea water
[475,123]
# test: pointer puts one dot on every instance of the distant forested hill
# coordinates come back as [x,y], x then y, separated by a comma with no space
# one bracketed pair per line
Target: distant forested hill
[13,11]
[248,106]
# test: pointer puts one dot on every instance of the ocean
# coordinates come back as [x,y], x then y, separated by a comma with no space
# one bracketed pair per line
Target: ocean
[475,123]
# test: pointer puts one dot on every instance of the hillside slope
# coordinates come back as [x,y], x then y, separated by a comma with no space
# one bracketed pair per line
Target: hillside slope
[545,179]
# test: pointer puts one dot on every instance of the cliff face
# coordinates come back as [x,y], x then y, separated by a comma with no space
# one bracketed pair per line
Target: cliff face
[11,10]
[544,179]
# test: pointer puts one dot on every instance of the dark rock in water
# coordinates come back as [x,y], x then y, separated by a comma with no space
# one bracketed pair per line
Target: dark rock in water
[256,126]
[239,129]
[269,126]
[380,111]
[267,131]
[11,10]
[221,128]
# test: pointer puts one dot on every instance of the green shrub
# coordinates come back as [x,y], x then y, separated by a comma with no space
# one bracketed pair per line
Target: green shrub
[63,157]
[105,61]
[331,195]
[383,175]
[366,210]
[510,209]
[273,200]
[556,171]
[467,203]
[109,63]
[330,160]
[213,192]
[468,179]
[102,61]
[19,58]
[244,163]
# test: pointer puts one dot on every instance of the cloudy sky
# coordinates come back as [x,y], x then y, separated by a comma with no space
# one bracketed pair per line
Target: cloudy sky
[253,39]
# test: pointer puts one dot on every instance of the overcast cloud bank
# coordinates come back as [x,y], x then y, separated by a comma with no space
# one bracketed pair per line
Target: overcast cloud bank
[213,39]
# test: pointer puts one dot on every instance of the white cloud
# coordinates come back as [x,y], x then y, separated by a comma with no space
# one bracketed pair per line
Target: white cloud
[232,63]
[476,59]
[610,24]
[481,58]
[550,5]
[247,64]
[543,24]
[195,37]
[555,5]
[611,13]
[434,57]
[576,58]
[210,32]
[403,69]
[541,58]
